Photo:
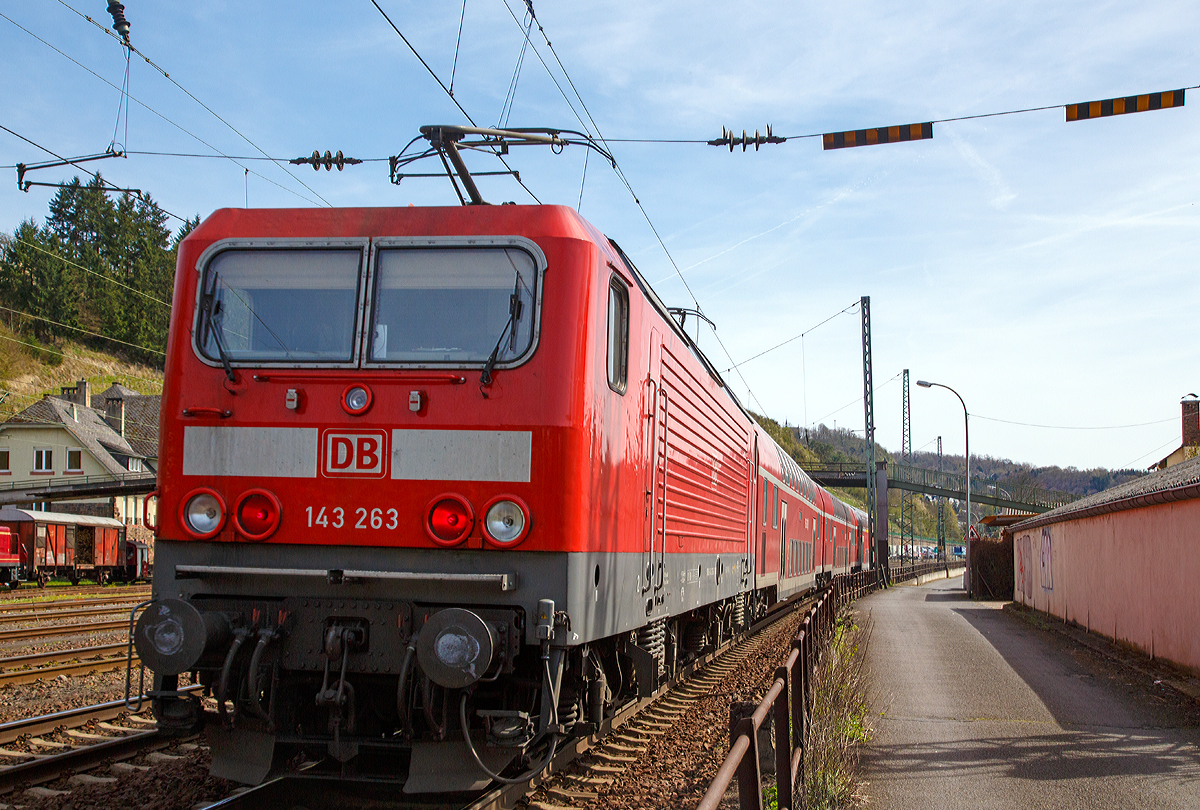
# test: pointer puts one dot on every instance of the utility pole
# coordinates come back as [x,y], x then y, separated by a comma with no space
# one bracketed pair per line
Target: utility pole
[878,532]
[906,497]
[941,511]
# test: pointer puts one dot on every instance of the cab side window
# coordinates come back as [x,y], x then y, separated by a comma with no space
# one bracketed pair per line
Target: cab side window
[618,335]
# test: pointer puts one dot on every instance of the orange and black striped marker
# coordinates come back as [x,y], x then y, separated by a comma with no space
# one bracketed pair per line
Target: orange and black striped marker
[868,137]
[1121,106]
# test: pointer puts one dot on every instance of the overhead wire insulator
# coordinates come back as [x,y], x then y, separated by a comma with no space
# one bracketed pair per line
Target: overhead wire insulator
[328,160]
[120,24]
[729,139]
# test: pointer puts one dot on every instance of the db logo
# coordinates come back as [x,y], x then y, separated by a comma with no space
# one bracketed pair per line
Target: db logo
[357,454]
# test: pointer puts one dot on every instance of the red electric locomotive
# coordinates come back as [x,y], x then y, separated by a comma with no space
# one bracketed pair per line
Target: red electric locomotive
[440,487]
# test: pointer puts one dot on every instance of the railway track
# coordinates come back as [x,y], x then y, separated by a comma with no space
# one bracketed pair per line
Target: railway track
[578,771]
[31,592]
[63,630]
[43,749]
[37,666]
[50,615]
[126,597]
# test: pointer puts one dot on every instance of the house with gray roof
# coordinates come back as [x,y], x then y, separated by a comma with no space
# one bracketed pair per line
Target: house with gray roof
[72,434]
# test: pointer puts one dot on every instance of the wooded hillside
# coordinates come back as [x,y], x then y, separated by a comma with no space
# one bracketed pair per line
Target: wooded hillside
[99,271]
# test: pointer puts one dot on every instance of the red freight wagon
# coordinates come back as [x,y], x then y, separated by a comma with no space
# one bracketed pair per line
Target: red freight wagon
[10,558]
[52,544]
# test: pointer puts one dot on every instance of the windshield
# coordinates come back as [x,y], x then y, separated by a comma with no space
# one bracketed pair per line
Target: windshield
[452,305]
[280,305]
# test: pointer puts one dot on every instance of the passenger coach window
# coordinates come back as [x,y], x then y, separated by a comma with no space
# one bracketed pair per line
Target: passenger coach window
[452,305]
[618,335]
[280,305]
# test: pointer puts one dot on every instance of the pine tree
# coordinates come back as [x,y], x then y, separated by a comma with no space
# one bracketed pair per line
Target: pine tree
[95,252]
[34,282]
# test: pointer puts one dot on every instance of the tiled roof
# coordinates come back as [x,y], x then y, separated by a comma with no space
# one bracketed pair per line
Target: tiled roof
[1177,483]
[141,416]
[114,391]
[141,423]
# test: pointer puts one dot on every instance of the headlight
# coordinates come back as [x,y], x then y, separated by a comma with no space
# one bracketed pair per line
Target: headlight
[505,521]
[203,513]
[258,514]
[356,399]
[449,520]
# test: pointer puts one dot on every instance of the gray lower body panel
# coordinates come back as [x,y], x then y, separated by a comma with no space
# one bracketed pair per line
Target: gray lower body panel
[603,593]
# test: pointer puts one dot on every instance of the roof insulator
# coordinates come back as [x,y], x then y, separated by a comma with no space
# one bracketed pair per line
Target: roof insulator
[120,24]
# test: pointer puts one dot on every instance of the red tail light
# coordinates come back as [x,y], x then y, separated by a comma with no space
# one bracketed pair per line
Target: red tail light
[449,520]
[258,513]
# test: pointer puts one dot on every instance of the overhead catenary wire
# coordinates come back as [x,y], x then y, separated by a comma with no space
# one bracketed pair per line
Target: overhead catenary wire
[856,401]
[462,17]
[446,90]
[1153,452]
[147,107]
[550,72]
[1072,427]
[189,94]
[123,104]
[629,187]
[83,331]
[511,97]
[852,307]
[109,279]
[156,381]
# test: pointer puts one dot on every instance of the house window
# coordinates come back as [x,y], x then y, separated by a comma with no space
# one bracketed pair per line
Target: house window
[74,459]
[134,464]
[618,335]
[43,459]
[4,468]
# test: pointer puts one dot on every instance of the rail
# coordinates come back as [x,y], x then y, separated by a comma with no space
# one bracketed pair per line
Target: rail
[788,700]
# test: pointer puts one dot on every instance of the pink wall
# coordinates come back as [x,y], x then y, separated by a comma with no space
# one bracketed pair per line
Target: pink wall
[1133,576]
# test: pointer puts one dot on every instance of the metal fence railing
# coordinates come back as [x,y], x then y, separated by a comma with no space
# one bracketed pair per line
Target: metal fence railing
[901,573]
[789,702]
[68,481]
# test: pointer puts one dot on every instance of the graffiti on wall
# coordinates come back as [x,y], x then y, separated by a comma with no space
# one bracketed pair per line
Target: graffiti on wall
[1024,578]
[1047,561]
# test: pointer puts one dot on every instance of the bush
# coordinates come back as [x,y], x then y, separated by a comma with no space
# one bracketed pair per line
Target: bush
[839,723]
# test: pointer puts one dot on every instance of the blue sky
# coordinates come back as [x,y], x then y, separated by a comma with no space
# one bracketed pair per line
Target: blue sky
[1046,270]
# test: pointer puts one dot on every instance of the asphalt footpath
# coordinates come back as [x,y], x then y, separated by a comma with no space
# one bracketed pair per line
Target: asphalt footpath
[976,707]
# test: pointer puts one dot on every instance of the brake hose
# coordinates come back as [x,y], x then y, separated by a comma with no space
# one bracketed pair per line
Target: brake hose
[516,780]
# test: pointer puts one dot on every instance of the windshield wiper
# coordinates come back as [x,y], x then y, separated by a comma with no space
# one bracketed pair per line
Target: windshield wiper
[210,323]
[514,315]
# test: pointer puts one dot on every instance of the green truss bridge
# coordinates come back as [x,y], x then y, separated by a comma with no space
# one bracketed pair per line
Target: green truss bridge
[1022,498]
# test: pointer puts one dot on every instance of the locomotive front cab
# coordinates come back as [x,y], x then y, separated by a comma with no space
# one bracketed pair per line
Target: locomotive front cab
[360,513]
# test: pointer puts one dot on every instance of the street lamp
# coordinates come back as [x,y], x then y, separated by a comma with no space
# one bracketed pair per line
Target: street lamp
[967,441]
